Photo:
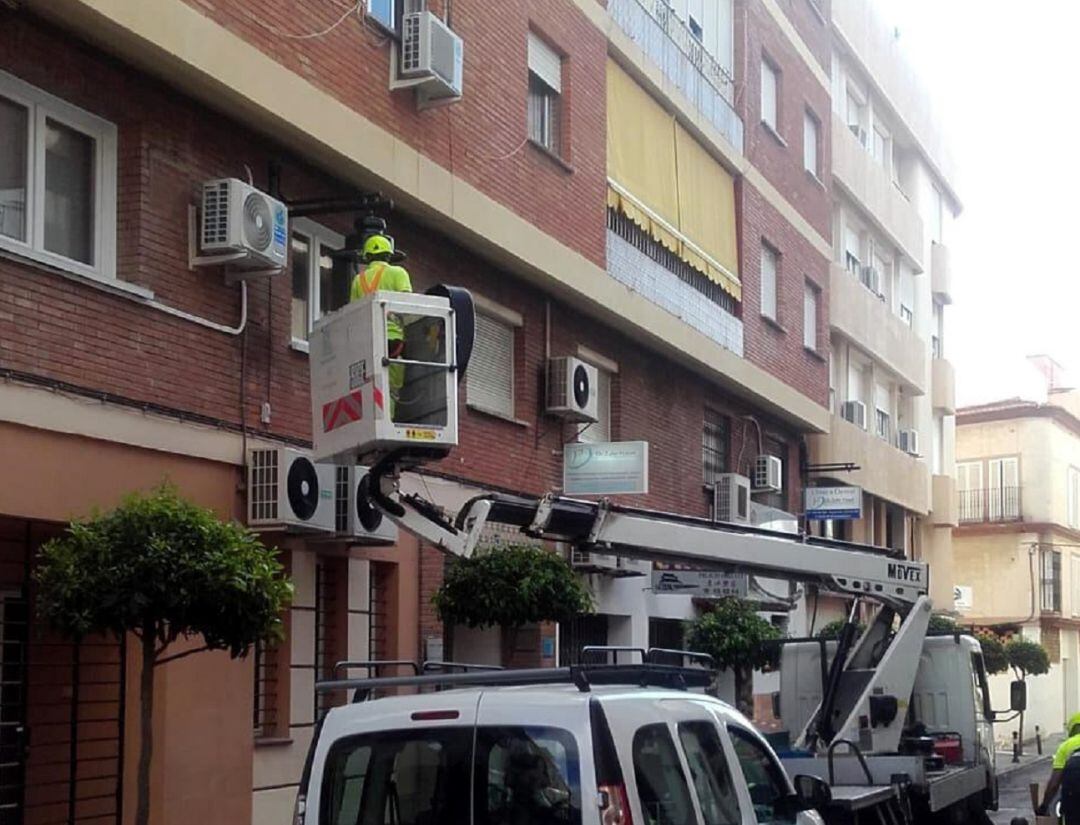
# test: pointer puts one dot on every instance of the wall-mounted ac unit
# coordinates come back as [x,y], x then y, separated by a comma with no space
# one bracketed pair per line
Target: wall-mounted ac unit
[354,517]
[731,498]
[909,441]
[586,561]
[572,389]
[768,474]
[238,218]
[855,412]
[286,490]
[431,59]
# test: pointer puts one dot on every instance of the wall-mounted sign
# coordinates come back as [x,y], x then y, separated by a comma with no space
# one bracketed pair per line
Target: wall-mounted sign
[833,502]
[962,597]
[708,584]
[618,468]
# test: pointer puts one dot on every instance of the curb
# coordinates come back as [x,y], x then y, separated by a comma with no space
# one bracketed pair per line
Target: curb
[1011,767]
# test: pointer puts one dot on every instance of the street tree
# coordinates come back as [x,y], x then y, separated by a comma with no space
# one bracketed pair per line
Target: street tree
[993,650]
[510,587]
[164,570]
[1027,658]
[738,638]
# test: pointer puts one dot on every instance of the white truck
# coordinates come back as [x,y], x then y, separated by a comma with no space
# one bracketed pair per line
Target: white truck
[896,723]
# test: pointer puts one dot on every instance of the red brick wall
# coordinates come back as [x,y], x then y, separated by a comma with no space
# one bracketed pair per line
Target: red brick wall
[757,34]
[56,328]
[779,349]
[810,19]
[481,138]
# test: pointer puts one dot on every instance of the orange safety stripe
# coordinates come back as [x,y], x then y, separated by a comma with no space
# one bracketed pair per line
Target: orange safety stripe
[368,288]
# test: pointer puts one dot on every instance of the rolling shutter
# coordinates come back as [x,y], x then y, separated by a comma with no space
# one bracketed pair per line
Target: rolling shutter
[489,381]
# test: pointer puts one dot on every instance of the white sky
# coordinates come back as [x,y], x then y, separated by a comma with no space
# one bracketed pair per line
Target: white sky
[1005,77]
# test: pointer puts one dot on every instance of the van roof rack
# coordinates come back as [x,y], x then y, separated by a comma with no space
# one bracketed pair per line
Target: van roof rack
[441,675]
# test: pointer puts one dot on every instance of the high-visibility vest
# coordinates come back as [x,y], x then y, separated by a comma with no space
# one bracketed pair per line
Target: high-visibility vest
[381,275]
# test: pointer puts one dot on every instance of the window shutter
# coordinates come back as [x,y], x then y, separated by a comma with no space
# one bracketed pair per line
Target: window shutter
[810,142]
[810,318]
[545,62]
[490,377]
[768,94]
[768,282]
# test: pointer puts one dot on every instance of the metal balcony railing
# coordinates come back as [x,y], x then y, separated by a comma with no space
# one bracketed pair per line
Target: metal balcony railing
[989,505]
[670,44]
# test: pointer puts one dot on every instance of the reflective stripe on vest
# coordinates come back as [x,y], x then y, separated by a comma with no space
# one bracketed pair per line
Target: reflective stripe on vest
[379,267]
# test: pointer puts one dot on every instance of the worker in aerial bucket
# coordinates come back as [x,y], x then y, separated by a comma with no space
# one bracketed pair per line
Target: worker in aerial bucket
[1065,774]
[381,273]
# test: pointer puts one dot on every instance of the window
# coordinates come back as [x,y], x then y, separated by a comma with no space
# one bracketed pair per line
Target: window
[266,683]
[1072,492]
[1074,567]
[331,576]
[489,381]
[695,29]
[770,264]
[384,12]
[600,431]
[810,317]
[545,95]
[1051,580]
[852,259]
[764,778]
[715,438]
[810,143]
[937,338]
[969,486]
[57,181]
[317,286]
[881,146]
[1003,488]
[661,784]
[709,773]
[882,425]
[770,87]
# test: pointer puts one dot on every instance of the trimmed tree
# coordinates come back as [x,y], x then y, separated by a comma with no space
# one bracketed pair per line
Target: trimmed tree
[1026,658]
[510,587]
[941,624]
[832,630]
[738,638]
[993,650]
[162,569]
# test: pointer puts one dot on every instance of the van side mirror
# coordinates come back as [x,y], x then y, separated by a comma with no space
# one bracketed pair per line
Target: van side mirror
[812,792]
[1018,695]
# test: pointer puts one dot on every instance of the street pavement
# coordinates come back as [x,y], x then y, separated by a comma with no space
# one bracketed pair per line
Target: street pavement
[1013,795]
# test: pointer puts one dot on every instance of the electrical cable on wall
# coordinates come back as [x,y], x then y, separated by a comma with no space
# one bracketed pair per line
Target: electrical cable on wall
[355,8]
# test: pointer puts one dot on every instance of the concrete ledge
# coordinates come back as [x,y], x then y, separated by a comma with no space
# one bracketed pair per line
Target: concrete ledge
[943,385]
[944,503]
[940,272]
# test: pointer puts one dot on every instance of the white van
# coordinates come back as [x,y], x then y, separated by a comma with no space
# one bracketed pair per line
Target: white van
[606,748]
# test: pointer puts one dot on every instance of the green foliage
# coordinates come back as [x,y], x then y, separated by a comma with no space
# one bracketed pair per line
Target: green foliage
[1026,657]
[734,635]
[161,565]
[833,628]
[511,587]
[943,624]
[993,650]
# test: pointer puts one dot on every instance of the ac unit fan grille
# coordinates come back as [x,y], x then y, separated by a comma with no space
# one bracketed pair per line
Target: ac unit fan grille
[258,222]
[303,488]
[557,384]
[263,485]
[215,224]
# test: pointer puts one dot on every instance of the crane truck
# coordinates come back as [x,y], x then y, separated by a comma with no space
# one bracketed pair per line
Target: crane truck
[896,722]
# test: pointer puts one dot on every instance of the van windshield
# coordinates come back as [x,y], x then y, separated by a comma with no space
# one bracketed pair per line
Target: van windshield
[431,776]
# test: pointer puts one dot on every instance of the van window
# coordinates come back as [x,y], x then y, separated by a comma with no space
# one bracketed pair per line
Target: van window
[709,772]
[665,799]
[430,776]
[765,779]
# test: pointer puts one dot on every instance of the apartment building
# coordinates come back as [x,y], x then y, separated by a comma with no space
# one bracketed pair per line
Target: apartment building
[1017,546]
[891,387]
[704,310]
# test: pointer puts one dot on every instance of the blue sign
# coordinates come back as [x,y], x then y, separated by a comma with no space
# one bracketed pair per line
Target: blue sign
[833,503]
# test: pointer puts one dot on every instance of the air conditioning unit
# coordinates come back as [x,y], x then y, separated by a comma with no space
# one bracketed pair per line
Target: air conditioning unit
[871,278]
[286,490]
[768,474]
[572,389]
[731,498]
[238,218]
[431,59]
[855,412]
[586,561]
[352,512]
[909,441]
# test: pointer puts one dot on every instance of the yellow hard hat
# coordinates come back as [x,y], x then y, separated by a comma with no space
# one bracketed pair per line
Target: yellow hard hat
[1072,727]
[377,245]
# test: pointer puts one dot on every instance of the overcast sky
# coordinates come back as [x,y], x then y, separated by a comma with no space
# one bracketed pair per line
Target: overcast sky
[1005,76]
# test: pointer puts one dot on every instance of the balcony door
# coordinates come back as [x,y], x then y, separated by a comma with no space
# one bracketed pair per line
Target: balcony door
[969,483]
[1003,486]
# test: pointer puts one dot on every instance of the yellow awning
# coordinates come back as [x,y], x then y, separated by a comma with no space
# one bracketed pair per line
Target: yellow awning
[668,184]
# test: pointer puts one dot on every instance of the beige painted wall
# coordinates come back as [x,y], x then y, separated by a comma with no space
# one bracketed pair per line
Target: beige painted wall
[998,569]
[1046,451]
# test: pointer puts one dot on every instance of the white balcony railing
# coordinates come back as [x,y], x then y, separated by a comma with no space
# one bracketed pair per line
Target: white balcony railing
[669,44]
